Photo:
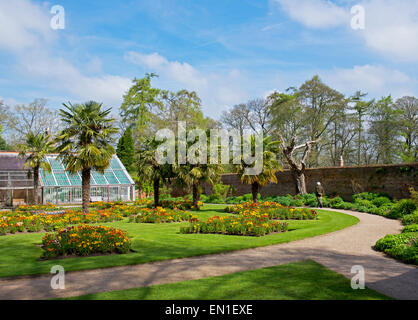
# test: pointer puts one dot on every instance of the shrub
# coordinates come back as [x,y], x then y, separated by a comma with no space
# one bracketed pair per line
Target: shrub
[337,203]
[284,200]
[310,200]
[221,191]
[369,196]
[380,201]
[84,240]
[410,219]
[402,208]
[410,228]
[297,203]
[243,225]
[402,246]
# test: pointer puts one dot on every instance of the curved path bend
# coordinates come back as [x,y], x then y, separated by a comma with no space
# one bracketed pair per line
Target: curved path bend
[338,251]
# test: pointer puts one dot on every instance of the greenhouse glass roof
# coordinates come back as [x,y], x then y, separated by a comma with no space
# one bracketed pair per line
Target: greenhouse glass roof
[116,174]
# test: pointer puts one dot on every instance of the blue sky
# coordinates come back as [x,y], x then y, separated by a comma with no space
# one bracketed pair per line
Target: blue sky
[228,51]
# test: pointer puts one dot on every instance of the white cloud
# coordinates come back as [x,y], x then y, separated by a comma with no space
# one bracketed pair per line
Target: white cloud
[59,74]
[376,80]
[23,24]
[315,13]
[184,73]
[218,90]
[392,28]
[26,33]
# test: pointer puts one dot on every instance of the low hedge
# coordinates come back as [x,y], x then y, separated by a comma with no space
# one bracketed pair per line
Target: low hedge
[402,246]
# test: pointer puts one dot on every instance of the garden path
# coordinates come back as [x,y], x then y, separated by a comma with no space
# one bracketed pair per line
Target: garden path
[338,251]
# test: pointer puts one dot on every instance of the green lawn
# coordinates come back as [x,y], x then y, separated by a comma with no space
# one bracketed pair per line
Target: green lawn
[304,280]
[20,253]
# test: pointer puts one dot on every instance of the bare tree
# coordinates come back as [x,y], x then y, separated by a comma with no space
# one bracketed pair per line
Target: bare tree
[258,115]
[297,167]
[34,118]
[408,107]
[236,118]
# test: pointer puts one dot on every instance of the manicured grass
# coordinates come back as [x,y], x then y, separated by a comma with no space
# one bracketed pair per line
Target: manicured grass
[20,253]
[304,280]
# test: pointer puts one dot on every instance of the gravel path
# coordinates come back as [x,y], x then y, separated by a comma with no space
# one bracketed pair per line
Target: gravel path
[338,251]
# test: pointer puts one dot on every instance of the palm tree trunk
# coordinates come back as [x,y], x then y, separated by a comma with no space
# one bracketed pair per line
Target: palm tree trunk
[85,176]
[255,187]
[35,184]
[156,192]
[196,196]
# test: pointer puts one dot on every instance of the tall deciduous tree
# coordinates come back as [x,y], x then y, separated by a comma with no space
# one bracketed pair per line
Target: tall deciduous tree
[384,129]
[408,108]
[35,117]
[34,150]
[139,102]
[362,109]
[320,104]
[85,143]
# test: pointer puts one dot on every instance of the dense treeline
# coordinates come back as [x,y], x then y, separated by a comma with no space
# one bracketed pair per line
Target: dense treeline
[356,128]
[360,130]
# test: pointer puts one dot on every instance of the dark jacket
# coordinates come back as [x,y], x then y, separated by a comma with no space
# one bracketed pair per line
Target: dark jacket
[319,191]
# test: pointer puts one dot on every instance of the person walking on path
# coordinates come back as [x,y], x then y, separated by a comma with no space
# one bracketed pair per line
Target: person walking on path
[319,193]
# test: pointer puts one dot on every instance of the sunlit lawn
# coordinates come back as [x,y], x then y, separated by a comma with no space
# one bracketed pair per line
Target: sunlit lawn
[304,280]
[20,253]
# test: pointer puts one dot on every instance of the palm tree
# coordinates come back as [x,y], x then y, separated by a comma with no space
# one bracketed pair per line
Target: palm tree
[194,175]
[269,169]
[85,142]
[35,149]
[149,167]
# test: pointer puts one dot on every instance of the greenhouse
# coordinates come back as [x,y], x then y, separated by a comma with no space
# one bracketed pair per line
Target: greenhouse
[59,186]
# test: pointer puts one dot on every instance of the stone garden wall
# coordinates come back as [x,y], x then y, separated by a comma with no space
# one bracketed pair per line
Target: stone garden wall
[343,181]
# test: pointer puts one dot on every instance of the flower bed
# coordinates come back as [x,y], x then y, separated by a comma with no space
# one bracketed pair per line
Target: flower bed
[13,223]
[175,203]
[37,208]
[84,240]
[273,210]
[244,225]
[160,215]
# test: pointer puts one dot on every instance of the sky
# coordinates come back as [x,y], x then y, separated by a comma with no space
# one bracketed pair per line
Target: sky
[228,51]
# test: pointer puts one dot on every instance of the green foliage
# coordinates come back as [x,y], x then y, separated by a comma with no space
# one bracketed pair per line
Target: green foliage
[402,246]
[125,150]
[221,191]
[85,142]
[410,218]
[410,228]
[3,144]
[380,201]
[402,208]
[138,101]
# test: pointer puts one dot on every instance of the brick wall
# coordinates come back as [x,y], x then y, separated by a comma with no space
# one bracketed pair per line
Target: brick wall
[343,181]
